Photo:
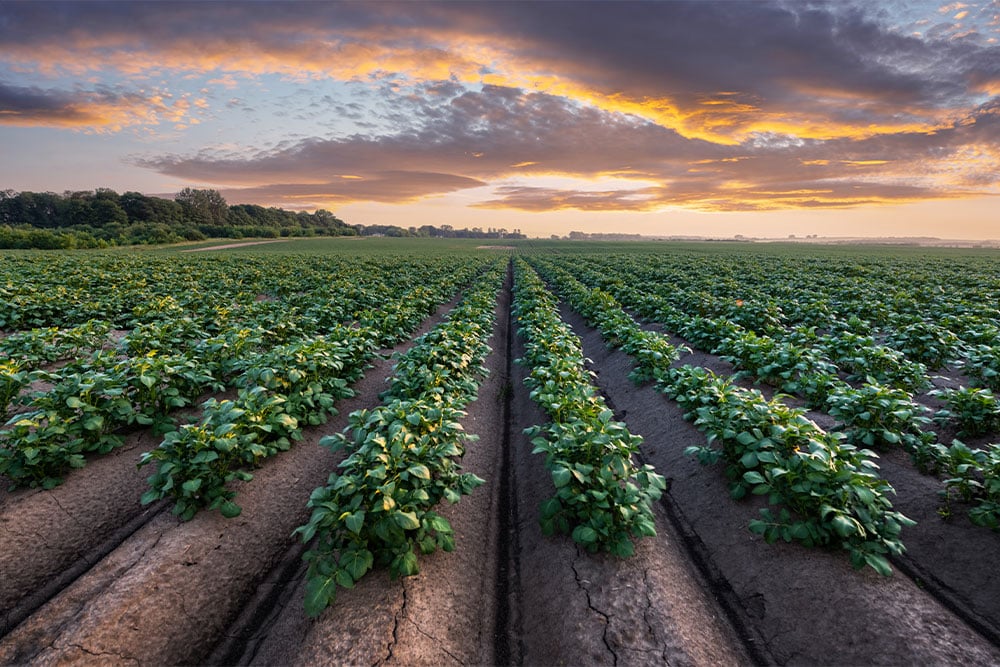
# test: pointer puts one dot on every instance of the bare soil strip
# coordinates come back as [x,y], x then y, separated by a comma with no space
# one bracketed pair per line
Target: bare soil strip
[947,556]
[227,246]
[576,608]
[808,605]
[47,533]
[444,615]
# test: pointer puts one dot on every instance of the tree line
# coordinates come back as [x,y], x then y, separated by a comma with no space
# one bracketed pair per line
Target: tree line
[102,218]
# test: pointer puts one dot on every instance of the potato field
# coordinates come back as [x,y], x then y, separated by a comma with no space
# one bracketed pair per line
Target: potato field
[542,453]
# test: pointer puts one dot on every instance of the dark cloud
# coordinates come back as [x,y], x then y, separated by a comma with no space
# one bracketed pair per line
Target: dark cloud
[503,135]
[690,48]
[98,108]
[21,105]
[392,187]
[698,48]
[718,105]
[724,67]
[480,135]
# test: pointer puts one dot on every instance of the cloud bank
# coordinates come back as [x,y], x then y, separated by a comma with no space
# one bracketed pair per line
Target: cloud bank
[705,105]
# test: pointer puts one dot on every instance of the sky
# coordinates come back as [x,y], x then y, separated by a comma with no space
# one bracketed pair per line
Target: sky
[754,117]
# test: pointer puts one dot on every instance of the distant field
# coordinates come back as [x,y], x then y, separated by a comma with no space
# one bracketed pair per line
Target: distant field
[337,245]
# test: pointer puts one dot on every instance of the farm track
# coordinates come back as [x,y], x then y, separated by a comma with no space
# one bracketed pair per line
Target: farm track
[229,591]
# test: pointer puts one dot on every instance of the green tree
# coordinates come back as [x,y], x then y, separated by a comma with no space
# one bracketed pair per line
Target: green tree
[203,207]
[106,211]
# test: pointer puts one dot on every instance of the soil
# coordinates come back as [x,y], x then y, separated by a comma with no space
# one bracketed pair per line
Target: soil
[89,576]
[808,605]
[227,246]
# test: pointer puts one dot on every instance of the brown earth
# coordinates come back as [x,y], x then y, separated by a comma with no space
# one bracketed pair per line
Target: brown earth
[160,580]
[444,615]
[808,605]
[227,246]
[51,537]
[704,591]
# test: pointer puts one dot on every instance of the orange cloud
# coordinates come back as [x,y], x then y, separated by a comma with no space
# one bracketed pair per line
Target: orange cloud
[461,46]
[98,112]
[617,162]
[391,187]
[702,106]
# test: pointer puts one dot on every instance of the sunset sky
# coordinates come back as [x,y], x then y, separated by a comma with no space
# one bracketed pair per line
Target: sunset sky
[843,118]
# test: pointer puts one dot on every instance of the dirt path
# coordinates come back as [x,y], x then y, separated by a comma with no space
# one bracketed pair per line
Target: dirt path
[227,246]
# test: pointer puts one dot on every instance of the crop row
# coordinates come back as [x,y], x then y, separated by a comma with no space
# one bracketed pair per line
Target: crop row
[279,392]
[86,409]
[872,414]
[303,380]
[402,457]
[288,368]
[602,497]
[67,290]
[941,315]
[798,359]
[825,491]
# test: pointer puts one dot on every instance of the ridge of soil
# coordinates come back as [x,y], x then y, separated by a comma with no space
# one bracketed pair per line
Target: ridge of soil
[190,565]
[446,614]
[50,534]
[808,604]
